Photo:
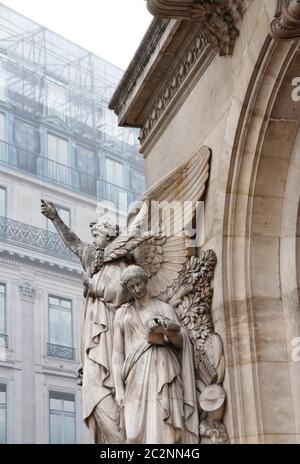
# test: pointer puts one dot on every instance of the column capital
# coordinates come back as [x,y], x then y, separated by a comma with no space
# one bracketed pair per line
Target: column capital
[27,291]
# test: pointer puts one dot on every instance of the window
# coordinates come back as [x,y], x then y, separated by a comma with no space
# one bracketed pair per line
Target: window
[137,181]
[60,328]
[62,418]
[114,172]
[27,140]
[58,159]
[2,413]
[64,214]
[85,164]
[2,202]
[3,337]
[2,136]
[57,100]
[113,190]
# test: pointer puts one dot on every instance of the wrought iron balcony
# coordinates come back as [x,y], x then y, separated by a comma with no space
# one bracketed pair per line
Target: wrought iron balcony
[33,238]
[3,341]
[65,176]
[63,352]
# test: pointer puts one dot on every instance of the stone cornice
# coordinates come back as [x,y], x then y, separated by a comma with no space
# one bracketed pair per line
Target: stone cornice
[286,25]
[195,61]
[218,18]
[137,64]
[171,53]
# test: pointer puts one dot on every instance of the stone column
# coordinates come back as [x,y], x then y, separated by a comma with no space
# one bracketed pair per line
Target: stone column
[27,295]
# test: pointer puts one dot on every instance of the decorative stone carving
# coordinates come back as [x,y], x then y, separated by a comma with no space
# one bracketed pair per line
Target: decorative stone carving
[176,279]
[218,18]
[181,75]
[191,296]
[286,26]
[153,368]
[27,290]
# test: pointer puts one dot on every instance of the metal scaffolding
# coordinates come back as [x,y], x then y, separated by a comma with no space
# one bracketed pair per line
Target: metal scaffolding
[43,76]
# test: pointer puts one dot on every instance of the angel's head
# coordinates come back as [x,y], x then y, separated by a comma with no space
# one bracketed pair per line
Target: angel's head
[103,231]
[135,279]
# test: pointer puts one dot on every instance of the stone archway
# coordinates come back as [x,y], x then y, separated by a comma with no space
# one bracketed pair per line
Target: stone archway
[259,256]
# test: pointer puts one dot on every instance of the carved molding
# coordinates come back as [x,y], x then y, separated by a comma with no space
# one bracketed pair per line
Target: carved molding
[17,264]
[27,290]
[218,18]
[128,82]
[286,25]
[185,69]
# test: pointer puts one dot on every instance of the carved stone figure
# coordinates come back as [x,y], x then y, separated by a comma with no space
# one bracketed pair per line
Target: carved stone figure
[177,279]
[104,294]
[153,368]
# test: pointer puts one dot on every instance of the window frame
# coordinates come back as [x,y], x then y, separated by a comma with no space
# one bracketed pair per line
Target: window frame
[61,395]
[51,295]
[5,305]
[3,389]
[116,161]
[4,189]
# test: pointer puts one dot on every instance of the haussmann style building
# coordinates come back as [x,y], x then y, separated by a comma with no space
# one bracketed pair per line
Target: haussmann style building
[58,141]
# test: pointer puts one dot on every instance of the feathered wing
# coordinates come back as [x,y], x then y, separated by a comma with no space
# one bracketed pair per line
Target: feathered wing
[164,255]
[130,238]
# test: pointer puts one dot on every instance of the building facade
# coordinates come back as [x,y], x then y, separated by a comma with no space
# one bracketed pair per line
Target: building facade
[225,75]
[58,141]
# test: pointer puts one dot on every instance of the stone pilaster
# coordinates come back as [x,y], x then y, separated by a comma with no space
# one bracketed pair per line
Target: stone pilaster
[27,295]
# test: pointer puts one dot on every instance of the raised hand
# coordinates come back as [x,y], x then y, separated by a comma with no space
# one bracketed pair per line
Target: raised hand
[48,209]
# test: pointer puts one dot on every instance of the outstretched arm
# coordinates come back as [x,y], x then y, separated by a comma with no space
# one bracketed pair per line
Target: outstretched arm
[70,239]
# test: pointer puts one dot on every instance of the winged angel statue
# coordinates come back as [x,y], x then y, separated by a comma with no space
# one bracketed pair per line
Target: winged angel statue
[176,277]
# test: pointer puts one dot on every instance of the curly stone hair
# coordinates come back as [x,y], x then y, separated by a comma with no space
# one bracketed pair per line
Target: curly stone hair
[133,272]
[106,226]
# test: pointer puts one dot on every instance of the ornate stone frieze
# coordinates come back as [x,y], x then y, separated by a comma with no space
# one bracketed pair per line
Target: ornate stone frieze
[183,72]
[286,25]
[218,18]
[27,290]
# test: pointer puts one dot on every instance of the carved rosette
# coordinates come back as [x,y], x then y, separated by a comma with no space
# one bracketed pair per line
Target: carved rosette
[218,18]
[286,25]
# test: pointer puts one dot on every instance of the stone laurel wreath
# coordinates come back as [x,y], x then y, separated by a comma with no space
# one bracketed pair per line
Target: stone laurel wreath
[193,307]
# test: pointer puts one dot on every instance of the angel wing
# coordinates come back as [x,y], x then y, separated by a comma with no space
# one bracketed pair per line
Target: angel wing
[130,238]
[163,256]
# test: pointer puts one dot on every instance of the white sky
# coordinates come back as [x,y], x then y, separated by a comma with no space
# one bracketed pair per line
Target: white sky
[112,29]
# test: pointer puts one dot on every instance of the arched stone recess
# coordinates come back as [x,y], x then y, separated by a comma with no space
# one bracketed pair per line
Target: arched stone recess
[260,285]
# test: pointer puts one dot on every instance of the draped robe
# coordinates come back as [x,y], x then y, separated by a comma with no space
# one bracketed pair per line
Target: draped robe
[160,405]
[105,294]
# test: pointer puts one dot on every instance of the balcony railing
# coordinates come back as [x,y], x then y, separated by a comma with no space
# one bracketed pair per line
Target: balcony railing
[3,341]
[58,351]
[33,238]
[66,176]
